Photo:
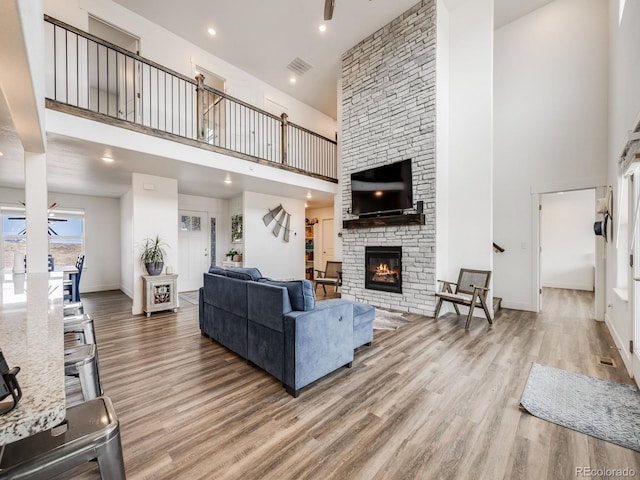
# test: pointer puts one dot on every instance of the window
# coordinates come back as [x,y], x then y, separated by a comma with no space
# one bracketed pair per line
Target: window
[65,229]
[13,235]
[66,236]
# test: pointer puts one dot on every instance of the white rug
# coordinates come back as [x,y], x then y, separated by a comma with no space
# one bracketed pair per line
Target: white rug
[388,320]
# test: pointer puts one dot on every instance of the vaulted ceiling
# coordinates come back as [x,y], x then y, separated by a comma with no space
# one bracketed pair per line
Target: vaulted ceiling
[263,37]
[258,36]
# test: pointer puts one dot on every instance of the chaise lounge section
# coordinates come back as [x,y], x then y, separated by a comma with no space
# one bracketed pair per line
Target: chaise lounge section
[279,327]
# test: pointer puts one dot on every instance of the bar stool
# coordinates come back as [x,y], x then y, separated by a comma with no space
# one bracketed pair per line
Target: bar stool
[82,362]
[91,431]
[82,325]
[72,309]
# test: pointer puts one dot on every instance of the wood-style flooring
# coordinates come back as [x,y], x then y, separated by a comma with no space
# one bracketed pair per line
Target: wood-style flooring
[428,401]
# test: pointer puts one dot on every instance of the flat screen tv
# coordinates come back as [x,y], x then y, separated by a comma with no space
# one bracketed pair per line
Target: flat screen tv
[384,190]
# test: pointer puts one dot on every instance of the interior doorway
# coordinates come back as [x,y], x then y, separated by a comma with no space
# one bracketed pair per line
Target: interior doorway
[193,255]
[327,245]
[567,244]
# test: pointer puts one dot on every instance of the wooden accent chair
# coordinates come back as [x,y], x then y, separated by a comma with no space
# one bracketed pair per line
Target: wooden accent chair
[331,275]
[471,291]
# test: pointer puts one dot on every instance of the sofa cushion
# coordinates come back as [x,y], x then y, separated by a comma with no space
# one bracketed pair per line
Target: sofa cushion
[218,271]
[301,294]
[244,273]
[363,313]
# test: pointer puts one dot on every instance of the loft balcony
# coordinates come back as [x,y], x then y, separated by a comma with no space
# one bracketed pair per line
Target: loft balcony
[92,78]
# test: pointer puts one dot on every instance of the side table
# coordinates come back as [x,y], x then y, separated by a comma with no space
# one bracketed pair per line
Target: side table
[160,292]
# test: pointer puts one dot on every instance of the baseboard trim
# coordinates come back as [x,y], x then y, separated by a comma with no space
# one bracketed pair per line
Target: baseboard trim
[527,307]
[127,292]
[100,288]
[569,286]
[624,352]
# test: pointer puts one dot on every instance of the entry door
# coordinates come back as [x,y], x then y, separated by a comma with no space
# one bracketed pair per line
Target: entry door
[193,256]
[327,245]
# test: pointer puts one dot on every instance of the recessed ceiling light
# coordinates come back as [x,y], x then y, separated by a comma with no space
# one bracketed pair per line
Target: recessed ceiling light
[322,28]
[309,194]
[1,154]
[306,205]
[107,159]
[211,31]
[292,79]
[227,179]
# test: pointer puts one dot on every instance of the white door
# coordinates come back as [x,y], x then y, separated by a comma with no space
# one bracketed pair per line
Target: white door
[634,280]
[327,245]
[539,253]
[193,252]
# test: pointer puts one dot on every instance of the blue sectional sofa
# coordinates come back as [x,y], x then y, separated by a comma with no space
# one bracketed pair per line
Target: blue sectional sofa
[279,327]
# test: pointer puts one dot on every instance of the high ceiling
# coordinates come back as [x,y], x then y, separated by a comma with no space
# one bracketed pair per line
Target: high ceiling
[259,36]
[262,37]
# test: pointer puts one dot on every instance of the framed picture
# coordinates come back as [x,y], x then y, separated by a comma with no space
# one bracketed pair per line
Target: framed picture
[236,228]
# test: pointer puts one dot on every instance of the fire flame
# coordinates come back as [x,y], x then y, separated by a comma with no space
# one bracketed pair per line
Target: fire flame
[382,269]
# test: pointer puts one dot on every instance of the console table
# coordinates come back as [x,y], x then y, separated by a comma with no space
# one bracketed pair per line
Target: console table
[229,263]
[160,293]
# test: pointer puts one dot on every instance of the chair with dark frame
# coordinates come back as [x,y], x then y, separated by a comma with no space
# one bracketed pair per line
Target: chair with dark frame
[72,286]
[331,275]
[471,291]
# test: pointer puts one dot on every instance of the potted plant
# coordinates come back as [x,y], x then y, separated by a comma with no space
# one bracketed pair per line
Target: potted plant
[231,254]
[153,254]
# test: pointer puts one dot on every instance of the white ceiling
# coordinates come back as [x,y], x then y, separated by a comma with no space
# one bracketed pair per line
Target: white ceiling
[259,36]
[263,37]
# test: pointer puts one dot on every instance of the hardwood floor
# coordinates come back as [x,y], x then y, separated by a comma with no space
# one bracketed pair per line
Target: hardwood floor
[429,400]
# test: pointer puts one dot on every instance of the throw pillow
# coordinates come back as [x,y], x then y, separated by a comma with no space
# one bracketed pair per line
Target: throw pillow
[301,294]
[218,271]
[244,273]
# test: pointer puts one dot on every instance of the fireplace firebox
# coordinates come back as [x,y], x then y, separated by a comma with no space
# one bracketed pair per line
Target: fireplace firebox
[383,269]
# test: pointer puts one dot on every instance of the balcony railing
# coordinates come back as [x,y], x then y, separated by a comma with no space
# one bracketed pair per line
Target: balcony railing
[91,74]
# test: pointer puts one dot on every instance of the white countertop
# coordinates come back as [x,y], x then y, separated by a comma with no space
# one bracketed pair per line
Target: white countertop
[32,338]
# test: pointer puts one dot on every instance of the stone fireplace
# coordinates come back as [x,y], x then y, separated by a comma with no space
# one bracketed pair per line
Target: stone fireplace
[389,115]
[383,269]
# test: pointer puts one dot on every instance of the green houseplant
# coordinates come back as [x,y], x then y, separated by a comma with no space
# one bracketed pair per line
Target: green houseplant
[231,253]
[153,255]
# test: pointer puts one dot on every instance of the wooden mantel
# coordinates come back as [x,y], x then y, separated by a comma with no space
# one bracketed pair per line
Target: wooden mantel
[386,221]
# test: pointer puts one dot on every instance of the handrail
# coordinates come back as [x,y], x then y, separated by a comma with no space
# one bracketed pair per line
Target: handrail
[96,76]
[115,47]
[498,247]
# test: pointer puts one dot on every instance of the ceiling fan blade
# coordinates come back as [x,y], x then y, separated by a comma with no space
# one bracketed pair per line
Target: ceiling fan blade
[328,9]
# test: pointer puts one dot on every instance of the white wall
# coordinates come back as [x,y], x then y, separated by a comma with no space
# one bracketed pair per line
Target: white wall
[127,254]
[442,141]
[567,238]
[155,212]
[624,112]
[101,237]
[166,48]
[550,126]
[469,222]
[274,257]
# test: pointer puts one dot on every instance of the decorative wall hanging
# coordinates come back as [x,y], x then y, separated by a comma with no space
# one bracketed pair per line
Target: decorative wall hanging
[236,228]
[282,219]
